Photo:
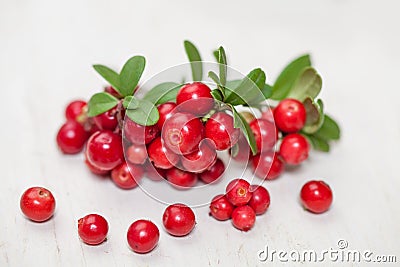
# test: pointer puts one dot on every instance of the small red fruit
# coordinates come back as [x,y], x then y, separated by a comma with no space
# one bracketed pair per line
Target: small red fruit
[290,115]
[71,137]
[153,173]
[139,134]
[220,129]
[260,200]
[107,120]
[179,219]
[143,236]
[220,208]
[181,179]
[243,218]
[195,98]
[265,134]
[76,111]
[94,169]
[127,176]
[112,91]
[136,154]
[213,173]
[268,114]
[160,156]
[316,196]
[200,160]
[165,110]
[267,165]
[38,204]
[238,192]
[294,149]
[93,229]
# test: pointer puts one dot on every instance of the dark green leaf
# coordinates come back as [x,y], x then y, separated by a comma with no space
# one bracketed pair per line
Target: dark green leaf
[315,116]
[130,74]
[144,114]
[216,54]
[308,84]
[217,94]
[130,102]
[100,103]
[288,77]
[162,93]
[109,75]
[223,69]
[267,91]
[195,60]
[329,130]
[318,144]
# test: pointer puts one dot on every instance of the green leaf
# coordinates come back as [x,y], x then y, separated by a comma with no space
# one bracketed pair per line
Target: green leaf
[318,143]
[109,75]
[195,60]
[308,84]
[100,103]
[288,77]
[314,117]
[223,69]
[163,92]
[130,102]
[267,91]
[329,130]
[216,93]
[145,113]
[235,150]
[213,76]
[216,54]
[130,74]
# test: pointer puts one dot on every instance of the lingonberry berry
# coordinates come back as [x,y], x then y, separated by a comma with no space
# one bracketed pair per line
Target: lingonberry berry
[165,110]
[139,134]
[213,173]
[294,149]
[238,192]
[178,219]
[161,156]
[243,218]
[290,115]
[136,154]
[94,169]
[104,150]
[267,165]
[268,114]
[220,208]
[244,152]
[181,179]
[195,98]
[127,176]
[76,111]
[93,229]
[182,133]
[38,204]
[71,137]
[220,129]
[107,120]
[143,236]
[201,159]
[153,173]
[260,200]
[265,134]
[112,91]
[316,196]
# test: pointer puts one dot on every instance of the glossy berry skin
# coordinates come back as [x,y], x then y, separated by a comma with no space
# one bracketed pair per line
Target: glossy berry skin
[244,154]
[182,133]
[260,200]
[71,137]
[316,196]
[238,192]
[76,111]
[107,120]
[294,149]
[178,219]
[181,179]
[104,150]
[112,91]
[136,154]
[143,236]
[200,160]
[265,134]
[195,98]
[243,218]
[267,165]
[94,169]
[139,134]
[127,176]
[213,173]
[37,204]
[161,157]
[290,115]
[219,128]
[165,110]
[93,229]
[220,208]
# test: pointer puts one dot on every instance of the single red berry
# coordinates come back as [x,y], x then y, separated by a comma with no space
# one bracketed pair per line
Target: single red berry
[136,154]
[179,219]
[143,236]
[112,91]
[220,129]
[268,115]
[265,134]
[93,229]
[139,134]
[127,176]
[238,192]
[267,165]
[38,204]
[213,173]
[94,169]
[316,196]
[244,152]
[181,179]
[76,111]
[104,150]
[294,149]
[107,120]
[160,156]
[166,110]
[71,137]
[195,98]
[182,133]
[220,208]
[260,200]
[153,173]
[290,115]
[243,218]
[201,160]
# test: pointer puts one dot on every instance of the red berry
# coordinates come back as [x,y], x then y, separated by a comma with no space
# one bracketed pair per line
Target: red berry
[260,200]
[38,204]
[265,134]
[93,229]
[139,134]
[181,179]
[71,137]
[107,120]
[267,165]
[136,154]
[244,153]
[154,173]
[112,91]
[104,150]
[143,236]
[294,149]
[213,173]
[316,196]
[195,98]
[200,160]
[268,115]
[243,218]
[182,133]
[94,169]
[127,176]
[219,128]
[160,156]
[238,192]
[165,110]
[220,208]
[179,219]
[76,111]
[290,115]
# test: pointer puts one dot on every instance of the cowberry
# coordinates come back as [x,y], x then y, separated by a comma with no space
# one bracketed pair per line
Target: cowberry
[127,176]
[265,134]
[294,149]
[112,91]
[107,120]
[136,154]
[76,111]
[179,219]
[195,98]
[160,156]
[219,128]
[268,114]
[201,159]
[260,200]
[71,137]
[290,115]
[213,173]
[267,165]
[181,179]
[139,134]
[93,229]
[153,173]
[220,208]
[165,111]
[94,169]
[243,218]
[238,192]
[143,236]
[316,196]
[38,204]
